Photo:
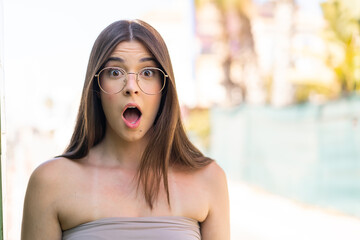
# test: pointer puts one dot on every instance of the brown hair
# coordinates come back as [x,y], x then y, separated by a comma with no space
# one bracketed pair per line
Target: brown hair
[168,143]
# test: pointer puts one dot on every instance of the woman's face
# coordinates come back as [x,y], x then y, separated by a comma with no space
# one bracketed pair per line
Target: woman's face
[130,113]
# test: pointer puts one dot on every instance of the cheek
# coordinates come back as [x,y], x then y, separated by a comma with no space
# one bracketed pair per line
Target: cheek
[104,98]
[107,102]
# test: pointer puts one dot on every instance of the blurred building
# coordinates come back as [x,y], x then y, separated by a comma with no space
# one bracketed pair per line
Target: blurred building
[283,48]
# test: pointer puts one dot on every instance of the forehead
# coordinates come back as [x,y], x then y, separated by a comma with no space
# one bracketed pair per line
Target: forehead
[132,47]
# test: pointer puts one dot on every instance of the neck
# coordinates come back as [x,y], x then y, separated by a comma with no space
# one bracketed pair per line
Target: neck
[116,152]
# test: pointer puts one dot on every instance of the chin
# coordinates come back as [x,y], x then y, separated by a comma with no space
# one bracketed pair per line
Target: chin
[135,136]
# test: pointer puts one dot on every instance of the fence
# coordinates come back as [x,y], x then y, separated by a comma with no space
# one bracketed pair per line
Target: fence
[310,153]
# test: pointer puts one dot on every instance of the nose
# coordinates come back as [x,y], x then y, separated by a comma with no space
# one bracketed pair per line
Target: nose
[131,86]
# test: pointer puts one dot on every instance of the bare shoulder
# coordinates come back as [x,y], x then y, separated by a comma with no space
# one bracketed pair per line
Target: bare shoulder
[217,222]
[55,164]
[48,178]
[213,176]
[214,170]
[40,205]
[51,172]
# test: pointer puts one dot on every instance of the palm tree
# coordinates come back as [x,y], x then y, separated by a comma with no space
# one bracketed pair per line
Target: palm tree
[343,17]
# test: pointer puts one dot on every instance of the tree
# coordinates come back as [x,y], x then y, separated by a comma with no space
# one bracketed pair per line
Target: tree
[238,47]
[343,17]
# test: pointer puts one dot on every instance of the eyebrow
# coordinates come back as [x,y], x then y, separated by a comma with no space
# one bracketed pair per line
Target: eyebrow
[114,59]
[148,59]
[117,59]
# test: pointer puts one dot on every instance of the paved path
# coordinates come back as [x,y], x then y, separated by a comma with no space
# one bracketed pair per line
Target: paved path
[257,215]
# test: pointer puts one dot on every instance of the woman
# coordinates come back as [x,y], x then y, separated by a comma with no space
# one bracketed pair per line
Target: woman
[130,171]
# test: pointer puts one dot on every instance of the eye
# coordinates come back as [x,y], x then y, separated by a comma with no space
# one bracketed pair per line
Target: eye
[148,73]
[114,73]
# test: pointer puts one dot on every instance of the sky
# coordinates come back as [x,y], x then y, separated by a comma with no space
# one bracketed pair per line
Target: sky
[312,6]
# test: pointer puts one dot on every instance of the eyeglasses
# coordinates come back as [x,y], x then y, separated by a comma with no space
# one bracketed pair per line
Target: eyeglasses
[113,80]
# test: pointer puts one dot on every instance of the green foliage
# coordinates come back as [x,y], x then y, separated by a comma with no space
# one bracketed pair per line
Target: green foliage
[343,17]
[304,91]
[197,124]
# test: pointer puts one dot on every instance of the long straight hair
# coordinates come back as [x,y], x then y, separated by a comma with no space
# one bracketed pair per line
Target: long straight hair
[168,143]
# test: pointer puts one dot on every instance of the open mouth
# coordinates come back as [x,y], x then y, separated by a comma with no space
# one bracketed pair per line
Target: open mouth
[131,116]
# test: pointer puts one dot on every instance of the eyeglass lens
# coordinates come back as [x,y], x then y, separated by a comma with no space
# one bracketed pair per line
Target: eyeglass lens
[113,80]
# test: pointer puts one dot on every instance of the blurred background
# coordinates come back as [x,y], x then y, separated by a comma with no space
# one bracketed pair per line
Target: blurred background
[268,88]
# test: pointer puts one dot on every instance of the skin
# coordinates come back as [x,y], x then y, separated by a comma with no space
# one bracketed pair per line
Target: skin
[63,193]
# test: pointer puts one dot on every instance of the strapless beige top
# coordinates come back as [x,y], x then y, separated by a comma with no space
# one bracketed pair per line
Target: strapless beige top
[131,228]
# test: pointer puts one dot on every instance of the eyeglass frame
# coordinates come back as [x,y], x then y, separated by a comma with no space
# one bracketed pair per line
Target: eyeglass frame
[126,79]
